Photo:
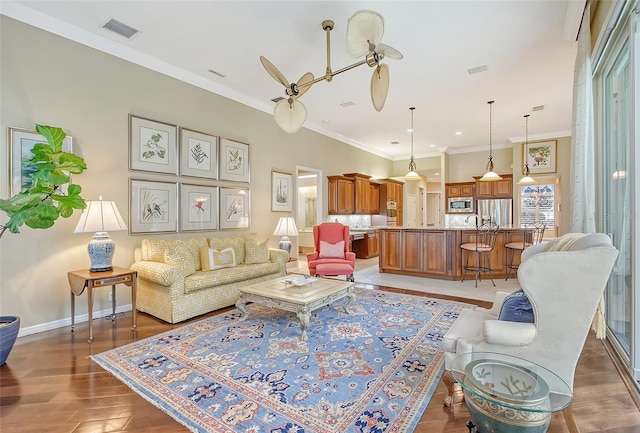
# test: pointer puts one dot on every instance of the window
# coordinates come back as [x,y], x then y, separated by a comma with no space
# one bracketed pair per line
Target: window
[537,205]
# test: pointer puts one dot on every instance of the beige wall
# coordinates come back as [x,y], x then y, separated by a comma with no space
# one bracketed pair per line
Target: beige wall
[50,80]
[463,166]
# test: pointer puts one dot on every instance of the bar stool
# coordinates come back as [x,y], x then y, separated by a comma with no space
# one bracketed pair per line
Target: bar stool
[533,234]
[481,247]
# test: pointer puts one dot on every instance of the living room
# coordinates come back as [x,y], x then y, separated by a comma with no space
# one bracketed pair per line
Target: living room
[54,80]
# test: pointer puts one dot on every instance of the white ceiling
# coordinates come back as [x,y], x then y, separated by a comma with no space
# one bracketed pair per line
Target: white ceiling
[529,62]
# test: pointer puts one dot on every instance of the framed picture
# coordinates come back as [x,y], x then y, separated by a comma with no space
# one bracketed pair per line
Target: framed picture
[198,154]
[234,161]
[235,212]
[153,146]
[198,207]
[281,191]
[21,141]
[153,207]
[541,156]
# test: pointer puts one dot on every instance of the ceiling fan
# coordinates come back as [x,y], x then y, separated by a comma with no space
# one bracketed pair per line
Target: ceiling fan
[364,33]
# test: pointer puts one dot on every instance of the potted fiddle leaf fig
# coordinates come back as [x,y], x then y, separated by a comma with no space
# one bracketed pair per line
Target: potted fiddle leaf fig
[41,202]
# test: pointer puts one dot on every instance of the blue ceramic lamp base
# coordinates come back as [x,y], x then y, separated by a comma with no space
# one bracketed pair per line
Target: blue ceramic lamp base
[101,249]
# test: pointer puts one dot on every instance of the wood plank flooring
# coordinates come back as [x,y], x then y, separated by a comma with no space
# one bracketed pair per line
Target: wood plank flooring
[49,385]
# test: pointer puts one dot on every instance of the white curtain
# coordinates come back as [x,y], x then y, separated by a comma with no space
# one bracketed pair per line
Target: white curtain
[583,156]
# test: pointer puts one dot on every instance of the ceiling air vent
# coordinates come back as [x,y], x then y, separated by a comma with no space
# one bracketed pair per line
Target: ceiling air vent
[477,69]
[278,99]
[395,142]
[538,108]
[347,104]
[120,28]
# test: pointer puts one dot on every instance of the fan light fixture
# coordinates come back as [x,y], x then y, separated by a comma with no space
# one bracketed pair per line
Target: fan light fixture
[490,175]
[527,179]
[364,33]
[412,175]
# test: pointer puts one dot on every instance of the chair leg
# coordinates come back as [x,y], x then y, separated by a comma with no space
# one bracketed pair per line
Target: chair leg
[489,268]
[466,265]
[570,420]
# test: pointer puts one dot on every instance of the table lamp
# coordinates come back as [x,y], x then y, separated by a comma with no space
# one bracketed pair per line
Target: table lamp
[286,227]
[100,217]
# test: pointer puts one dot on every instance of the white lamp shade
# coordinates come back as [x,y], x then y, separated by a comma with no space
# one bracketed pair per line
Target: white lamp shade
[286,227]
[100,216]
[490,176]
[527,180]
[412,175]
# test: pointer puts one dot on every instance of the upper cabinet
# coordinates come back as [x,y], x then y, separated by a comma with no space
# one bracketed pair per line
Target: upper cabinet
[494,189]
[362,193]
[460,189]
[341,195]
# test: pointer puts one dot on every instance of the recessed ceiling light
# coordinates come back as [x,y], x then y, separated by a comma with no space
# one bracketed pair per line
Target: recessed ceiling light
[325,121]
[538,108]
[477,69]
[437,174]
[217,73]
[458,132]
[347,104]
[432,145]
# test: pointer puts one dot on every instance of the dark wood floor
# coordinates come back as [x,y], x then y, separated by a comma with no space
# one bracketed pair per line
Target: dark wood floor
[49,385]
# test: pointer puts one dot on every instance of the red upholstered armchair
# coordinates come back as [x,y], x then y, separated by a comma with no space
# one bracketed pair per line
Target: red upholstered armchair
[331,255]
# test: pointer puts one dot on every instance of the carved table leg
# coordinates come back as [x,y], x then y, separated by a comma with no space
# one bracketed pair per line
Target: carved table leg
[241,305]
[304,315]
[352,297]
[456,396]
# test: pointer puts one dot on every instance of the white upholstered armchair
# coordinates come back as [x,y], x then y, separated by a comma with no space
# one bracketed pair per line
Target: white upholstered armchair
[564,280]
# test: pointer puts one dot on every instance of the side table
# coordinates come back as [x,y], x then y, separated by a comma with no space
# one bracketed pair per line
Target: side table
[81,279]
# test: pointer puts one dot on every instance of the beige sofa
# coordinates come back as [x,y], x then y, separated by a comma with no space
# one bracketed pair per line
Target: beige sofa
[173,287]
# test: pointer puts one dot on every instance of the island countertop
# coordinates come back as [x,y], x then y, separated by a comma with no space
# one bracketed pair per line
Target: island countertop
[435,252]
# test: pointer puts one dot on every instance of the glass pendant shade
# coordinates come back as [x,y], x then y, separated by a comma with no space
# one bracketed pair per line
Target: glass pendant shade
[290,116]
[490,175]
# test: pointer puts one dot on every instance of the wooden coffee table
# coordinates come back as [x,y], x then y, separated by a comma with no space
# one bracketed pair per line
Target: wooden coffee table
[301,300]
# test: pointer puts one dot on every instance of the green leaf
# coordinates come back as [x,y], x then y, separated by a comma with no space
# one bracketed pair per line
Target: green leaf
[74,189]
[54,136]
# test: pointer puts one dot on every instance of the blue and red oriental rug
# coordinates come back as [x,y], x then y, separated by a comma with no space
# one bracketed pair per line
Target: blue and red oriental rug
[370,371]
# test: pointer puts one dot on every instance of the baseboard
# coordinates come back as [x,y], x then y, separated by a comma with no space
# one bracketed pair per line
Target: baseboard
[67,322]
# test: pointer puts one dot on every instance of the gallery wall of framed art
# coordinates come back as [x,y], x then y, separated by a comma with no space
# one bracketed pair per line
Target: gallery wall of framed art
[207,179]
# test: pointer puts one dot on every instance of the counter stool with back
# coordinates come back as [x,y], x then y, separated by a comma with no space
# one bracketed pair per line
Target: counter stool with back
[533,234]
[481,248]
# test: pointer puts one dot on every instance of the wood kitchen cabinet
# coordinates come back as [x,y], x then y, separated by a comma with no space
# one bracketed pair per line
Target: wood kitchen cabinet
[412,250]
[390,250]
[374,197]
[494,189]
[434,247]
[362,193]
[460,189]
[367,247]
[391,190]
[341,195]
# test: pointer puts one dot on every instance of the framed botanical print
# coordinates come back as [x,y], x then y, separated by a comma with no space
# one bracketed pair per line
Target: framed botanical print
[198,207]
[21,141]
[198,154]
[234,161]
[541,156]
[153,145]
[235,212]
[153,207]
[281,191]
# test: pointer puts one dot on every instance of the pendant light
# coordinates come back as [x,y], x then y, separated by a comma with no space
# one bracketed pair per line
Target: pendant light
[412,174]
[490,175]
[527,179]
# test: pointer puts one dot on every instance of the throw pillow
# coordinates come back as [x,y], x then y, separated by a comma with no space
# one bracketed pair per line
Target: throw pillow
[329,251]
[212,259]
[180,257]
[517,308]
[256,253]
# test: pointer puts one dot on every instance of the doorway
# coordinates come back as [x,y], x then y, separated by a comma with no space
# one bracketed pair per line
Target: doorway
[309,205]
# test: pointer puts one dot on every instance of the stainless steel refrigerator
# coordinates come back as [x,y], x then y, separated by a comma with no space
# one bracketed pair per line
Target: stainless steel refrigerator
[496,211]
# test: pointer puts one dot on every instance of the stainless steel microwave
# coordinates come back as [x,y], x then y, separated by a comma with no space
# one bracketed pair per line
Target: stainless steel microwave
[460,205]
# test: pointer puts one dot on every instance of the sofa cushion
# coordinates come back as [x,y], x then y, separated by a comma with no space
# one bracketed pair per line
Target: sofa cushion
[256,253]
[194,245]
[212,259]
[517,308]
[180,257]
[153,249]
[328,250]
[239,274]
[234,241]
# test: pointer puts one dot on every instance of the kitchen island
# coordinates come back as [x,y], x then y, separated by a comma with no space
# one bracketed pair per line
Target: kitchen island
[436,253]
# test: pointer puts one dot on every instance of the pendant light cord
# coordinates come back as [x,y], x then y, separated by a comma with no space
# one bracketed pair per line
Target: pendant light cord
[412,162]
[490,162]
[526,145]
